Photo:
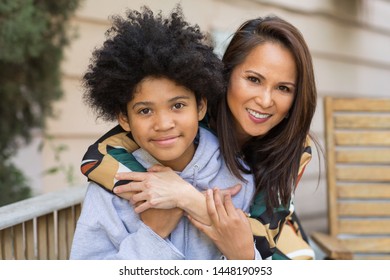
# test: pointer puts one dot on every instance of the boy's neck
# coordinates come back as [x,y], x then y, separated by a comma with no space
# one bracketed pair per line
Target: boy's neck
[181,163]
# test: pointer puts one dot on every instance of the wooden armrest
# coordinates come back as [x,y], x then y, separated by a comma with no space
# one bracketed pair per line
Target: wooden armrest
[331,246]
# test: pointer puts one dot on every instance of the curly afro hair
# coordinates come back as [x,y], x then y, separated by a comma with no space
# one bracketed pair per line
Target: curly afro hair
[147,45]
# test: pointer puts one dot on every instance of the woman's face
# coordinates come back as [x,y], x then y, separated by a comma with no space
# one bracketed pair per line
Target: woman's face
[262,89]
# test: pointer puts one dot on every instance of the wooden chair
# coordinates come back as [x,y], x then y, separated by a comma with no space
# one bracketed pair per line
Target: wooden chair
[357,134]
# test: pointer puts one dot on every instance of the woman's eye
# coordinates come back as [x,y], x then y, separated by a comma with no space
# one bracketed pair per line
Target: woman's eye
[178,106]
[253,79]
[284,88]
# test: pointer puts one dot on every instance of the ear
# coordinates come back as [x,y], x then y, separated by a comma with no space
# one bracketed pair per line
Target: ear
[202,108]
[124,121]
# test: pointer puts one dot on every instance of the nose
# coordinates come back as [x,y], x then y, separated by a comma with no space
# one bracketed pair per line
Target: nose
[264,98]
[163,121]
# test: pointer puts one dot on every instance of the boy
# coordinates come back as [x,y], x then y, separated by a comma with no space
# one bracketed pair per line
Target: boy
[156,77]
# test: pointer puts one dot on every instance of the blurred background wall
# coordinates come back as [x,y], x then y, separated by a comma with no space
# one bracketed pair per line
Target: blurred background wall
[350,45]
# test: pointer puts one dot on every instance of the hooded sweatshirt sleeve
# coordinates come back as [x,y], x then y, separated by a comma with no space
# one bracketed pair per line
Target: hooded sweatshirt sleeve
[116,232]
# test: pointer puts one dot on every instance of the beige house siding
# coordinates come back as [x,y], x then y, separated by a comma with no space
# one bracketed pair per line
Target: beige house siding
[349,40]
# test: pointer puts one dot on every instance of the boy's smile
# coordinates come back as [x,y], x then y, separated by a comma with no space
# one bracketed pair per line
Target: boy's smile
[165,141]
[163,119]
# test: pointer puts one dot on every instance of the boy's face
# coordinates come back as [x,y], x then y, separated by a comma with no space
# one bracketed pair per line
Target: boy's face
[163,119]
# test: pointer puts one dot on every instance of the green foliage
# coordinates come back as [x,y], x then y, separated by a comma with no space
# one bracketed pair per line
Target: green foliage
[11,176]
[67,170]
[33,34]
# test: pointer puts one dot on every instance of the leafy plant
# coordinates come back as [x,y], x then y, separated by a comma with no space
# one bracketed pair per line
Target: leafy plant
[67,170]
[33,34]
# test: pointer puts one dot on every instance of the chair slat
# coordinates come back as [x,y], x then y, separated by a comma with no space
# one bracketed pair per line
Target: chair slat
[364,138]
[377,155]
[359,191]
[361,104]
[368,245]
[363,173]
[364,226]
[362,121]
[372,257]
[367,209]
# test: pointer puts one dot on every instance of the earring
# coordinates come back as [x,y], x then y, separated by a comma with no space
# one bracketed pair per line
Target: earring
[287,115]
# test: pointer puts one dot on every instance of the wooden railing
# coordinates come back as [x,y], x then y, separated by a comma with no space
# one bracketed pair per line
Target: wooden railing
[42,227]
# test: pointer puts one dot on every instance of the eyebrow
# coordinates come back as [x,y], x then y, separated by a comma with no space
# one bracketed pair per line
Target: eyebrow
[261,76]
[149,103]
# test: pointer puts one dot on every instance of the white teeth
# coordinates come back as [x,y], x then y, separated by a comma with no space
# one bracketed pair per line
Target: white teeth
[258,115]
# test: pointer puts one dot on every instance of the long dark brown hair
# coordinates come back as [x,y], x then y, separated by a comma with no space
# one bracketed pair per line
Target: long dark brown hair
[273,158]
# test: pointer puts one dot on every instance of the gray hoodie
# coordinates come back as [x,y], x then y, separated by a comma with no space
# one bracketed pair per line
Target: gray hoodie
[108,227]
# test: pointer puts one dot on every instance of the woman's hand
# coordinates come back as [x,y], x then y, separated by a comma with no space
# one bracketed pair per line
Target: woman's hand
[163,188]
[230,229]
[160,188]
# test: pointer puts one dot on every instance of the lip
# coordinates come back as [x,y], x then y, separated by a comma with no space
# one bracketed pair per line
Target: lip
[258,117]
[165,141]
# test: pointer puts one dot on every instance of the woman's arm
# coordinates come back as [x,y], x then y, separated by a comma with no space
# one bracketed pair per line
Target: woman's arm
[163,188]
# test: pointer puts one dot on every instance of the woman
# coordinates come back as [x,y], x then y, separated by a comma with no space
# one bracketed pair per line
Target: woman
[262,124]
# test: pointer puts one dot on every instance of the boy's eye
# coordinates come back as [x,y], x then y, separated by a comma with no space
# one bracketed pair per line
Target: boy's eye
[144,111]
[178,106]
